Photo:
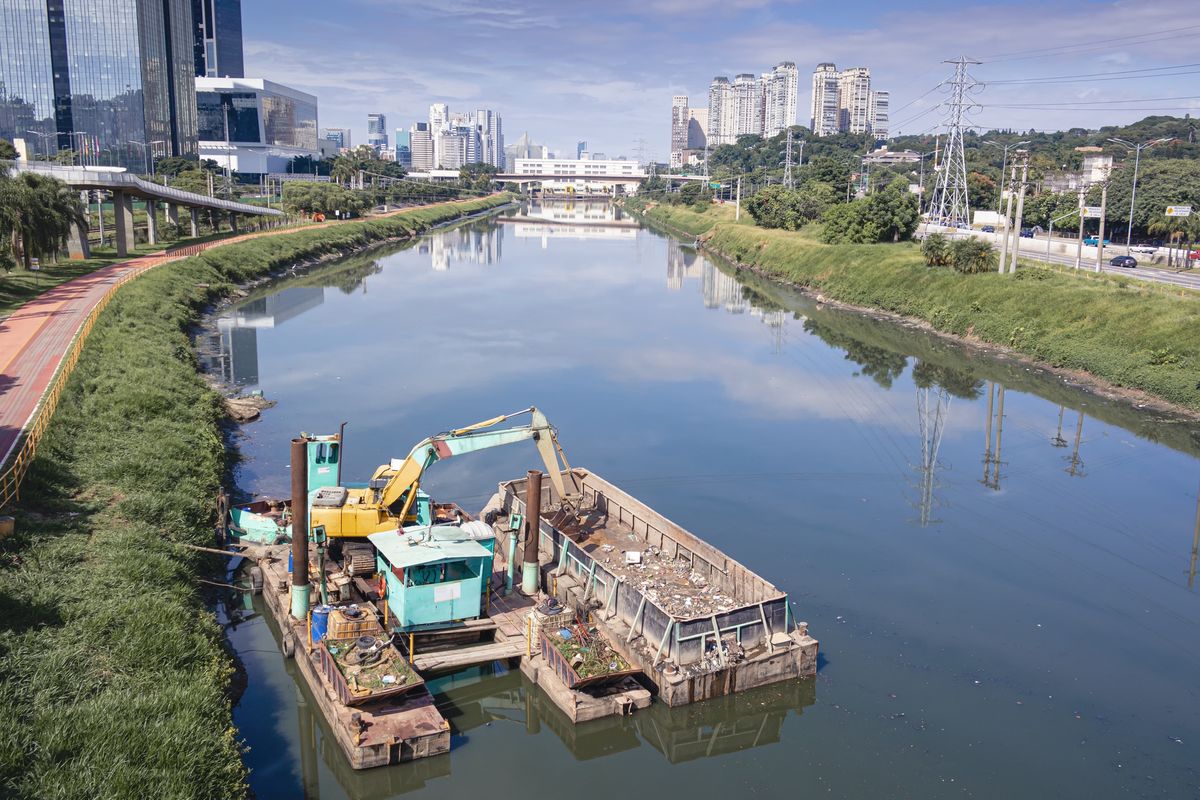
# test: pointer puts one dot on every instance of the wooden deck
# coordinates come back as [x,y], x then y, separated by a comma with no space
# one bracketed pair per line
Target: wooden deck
[506,615]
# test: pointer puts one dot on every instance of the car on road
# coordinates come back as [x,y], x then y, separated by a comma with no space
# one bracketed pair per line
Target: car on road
[988,229]
[1092,241]
[1129,262]
[1026,233]
[1144,249]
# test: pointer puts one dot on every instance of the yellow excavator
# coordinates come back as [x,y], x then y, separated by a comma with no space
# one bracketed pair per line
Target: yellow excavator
[392,498]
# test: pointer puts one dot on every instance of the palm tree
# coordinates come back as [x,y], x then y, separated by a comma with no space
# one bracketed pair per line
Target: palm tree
[1175,229]
[37,214]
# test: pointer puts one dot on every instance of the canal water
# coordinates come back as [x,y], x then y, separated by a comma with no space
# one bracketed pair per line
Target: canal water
[1000,568]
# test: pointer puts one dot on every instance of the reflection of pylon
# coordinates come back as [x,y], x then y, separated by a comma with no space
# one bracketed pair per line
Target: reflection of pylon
[1058,440]
[933,423]
[1075,463]
[991,458]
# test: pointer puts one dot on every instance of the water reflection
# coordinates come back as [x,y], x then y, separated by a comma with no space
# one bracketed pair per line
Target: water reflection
[582,219]
[477,242]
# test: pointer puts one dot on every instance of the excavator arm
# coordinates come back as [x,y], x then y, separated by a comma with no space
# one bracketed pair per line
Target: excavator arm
[403,480]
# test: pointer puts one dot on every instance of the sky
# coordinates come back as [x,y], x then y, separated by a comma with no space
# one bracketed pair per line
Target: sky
[605,72]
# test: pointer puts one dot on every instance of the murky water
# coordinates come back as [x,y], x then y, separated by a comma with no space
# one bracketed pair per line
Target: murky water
[1005,609]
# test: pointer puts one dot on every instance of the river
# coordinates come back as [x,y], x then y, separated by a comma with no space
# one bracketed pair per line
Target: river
[1007,605]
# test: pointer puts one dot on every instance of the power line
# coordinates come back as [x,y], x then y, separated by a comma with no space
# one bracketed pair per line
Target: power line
[1101,102]
[1096,74]
[1047,52]
[1038,82]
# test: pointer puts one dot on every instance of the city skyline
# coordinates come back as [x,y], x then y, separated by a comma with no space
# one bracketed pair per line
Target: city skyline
[611,101]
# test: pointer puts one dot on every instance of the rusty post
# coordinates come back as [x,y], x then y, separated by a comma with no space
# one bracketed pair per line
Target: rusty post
[533,525]
[300,586]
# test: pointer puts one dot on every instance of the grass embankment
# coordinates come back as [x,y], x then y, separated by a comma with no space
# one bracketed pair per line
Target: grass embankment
[1130,333]
[113,678]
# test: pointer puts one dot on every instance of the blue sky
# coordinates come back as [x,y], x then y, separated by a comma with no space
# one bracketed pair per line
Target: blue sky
[605,71]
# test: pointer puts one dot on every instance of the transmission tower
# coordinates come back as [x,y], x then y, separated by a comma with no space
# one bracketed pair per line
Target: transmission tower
[787,162]
[949,205]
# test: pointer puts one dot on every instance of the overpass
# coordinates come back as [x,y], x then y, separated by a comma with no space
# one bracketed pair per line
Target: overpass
[125,186]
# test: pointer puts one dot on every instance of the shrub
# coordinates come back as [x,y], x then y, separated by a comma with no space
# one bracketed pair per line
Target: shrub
[970,256]
[936,250]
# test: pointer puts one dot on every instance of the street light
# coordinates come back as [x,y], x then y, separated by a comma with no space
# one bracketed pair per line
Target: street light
[43,136]
[1137,158]
[1003,165]
[147,152]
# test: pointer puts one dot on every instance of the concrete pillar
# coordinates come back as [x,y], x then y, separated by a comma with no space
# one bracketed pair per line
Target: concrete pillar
[195,215]
[151,222]
[123,213]
[77,244]
[233,222]
[173,214]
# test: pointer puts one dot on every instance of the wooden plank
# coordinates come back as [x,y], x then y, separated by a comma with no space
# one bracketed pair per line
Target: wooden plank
[469,656]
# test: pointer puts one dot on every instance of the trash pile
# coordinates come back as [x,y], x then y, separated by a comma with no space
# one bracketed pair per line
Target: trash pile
[669,583]
[587,652]
[369,664]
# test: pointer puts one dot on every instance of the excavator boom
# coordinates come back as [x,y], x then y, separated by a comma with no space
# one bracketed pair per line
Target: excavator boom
[404,478]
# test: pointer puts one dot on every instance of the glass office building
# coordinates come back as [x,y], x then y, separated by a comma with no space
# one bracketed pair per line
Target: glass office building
[218,38]
[111,80]
[255,126]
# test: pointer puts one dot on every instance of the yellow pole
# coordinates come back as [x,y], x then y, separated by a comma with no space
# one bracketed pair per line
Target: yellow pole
[410,649]
[529,637]
[308,644]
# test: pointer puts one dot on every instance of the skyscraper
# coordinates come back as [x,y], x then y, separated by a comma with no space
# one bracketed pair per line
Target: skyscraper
[377,136]
[420,141]
[580,149]
[779,98]
[720,112]
[854,100]
[679,126]
[403,147]
[491,137]
[95,75]
[824,117]
[697,136]
[217,44]
[747,106]
[879,114]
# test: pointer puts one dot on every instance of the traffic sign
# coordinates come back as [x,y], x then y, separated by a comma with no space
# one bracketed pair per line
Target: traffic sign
[1179,211]
[1092,212]
[714,186]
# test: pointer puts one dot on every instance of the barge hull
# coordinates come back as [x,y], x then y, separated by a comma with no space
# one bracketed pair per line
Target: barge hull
[388,732]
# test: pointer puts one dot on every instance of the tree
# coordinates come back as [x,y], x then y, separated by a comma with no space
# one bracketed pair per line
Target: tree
[7,151]
[894,212]
[477,176]
[790,209]
[848,223]
[322,198]
[936,250]
[970,256]
[37,214]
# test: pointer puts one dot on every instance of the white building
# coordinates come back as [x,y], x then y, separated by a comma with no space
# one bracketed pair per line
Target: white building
[254,126]
[439,123]
[578,177]
[824,117]
[854,100]
[420,142]
[879,114]
[779,98]
[720,112]
[377,135]
[747,105]
[491,137]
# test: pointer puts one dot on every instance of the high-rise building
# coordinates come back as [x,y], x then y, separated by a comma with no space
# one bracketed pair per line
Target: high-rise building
[453,149]
[747,106]
[580,149]
[95,75]
[439,123]
[679,126]
[339,135]
[377,136]
[403,148]
[217,44]
[491,137]
[824,117]
[879,114]
[420,141]
[779,98]
[697,136]
[854,100]
[720,112]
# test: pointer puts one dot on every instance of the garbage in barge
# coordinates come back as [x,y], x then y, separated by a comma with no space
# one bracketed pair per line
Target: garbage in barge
[600,600]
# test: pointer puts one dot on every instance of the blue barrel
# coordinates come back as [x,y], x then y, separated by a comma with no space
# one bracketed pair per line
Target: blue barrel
[320,622]
[289,562]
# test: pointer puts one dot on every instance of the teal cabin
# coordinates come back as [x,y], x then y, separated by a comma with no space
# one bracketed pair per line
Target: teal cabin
[436,575]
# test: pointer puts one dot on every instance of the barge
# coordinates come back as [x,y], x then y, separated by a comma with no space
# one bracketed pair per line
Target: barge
[602,602]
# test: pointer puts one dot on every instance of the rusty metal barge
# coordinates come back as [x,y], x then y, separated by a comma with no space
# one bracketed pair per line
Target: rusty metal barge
[601,601]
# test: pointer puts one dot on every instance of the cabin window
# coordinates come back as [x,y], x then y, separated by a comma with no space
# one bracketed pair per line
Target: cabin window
[429,574]
[327,453]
